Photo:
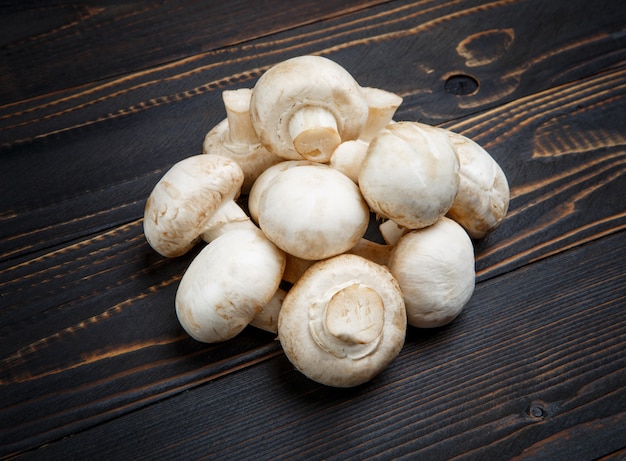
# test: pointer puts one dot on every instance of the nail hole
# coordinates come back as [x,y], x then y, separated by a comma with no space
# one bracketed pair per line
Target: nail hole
[537,410]
[461,85]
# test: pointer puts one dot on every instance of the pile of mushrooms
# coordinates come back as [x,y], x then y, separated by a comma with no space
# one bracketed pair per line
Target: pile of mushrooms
[317,155]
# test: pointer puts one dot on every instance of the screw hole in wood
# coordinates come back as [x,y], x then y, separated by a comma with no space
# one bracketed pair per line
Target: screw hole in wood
[461,85]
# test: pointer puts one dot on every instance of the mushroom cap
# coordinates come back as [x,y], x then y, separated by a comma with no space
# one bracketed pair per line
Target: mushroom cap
[302,82]
[343,321]
[184,200]
[227,284]
[483,198]
[253,159]
[434,267]
[265,179]
[409,174]
[313,212]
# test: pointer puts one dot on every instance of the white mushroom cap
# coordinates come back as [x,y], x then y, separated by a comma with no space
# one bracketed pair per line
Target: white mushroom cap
[313,212]
[227,284]
[410,174]
[483,198]
[305,106]
[265,179]
[343,321]
[184,200]
[235,138]
[435,269]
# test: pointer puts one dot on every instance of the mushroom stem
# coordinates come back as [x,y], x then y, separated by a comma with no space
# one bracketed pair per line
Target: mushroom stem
[375,252]
[240,130]
[354,314]
[228,217]
[392,231]
[313,130]
[382,106]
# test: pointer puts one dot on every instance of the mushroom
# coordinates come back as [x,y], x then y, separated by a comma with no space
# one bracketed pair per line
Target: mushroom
[265,179]
[235,138]
[483,198]
[313,212]
[194,198]
[434,267]
[267,319]
[349,155]
[305,107]
[409,175]
[227,284]
[343,321]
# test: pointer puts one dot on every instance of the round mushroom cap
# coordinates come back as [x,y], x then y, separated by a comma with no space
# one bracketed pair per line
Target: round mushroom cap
[434,267]
[184,200]
[483,198]
[265,179]
[343,321]
[227,284]
[303,82]
[410,174]
[313,212]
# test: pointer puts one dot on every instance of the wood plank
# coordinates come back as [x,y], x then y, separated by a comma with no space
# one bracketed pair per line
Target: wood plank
[95,318]
[138,125]
[87,328]
[535,367]
[49,47]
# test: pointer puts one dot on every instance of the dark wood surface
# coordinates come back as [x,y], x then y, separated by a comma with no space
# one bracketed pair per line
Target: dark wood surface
[97,101]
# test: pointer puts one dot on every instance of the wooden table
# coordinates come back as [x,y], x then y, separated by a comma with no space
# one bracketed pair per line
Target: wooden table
[97,101]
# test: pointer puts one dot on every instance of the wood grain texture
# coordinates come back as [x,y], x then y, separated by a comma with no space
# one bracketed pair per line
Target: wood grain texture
[67,150]
[535,368]
[53,46]
[89,343]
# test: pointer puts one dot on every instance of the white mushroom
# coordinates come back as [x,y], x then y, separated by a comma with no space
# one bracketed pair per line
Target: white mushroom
[227,284]
[267,319]
[313,212]
[305,107]
[349,155]
[265,179]
[483,198]
[410,174]
[343,322]
[434,267]
[235,138]
[194,197]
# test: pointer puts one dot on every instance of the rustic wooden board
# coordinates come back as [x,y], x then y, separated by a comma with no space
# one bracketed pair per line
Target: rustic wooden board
[89,342]
[534,368]
[84,159]
[53,46]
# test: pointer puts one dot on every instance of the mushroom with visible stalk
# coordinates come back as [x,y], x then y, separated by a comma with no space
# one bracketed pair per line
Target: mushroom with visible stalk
[410,174]
[227,284]
[349,155]
[313,212]
[194,198]
[434,267]
[483,197]
[235,138]
[343,322]
[305,107]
